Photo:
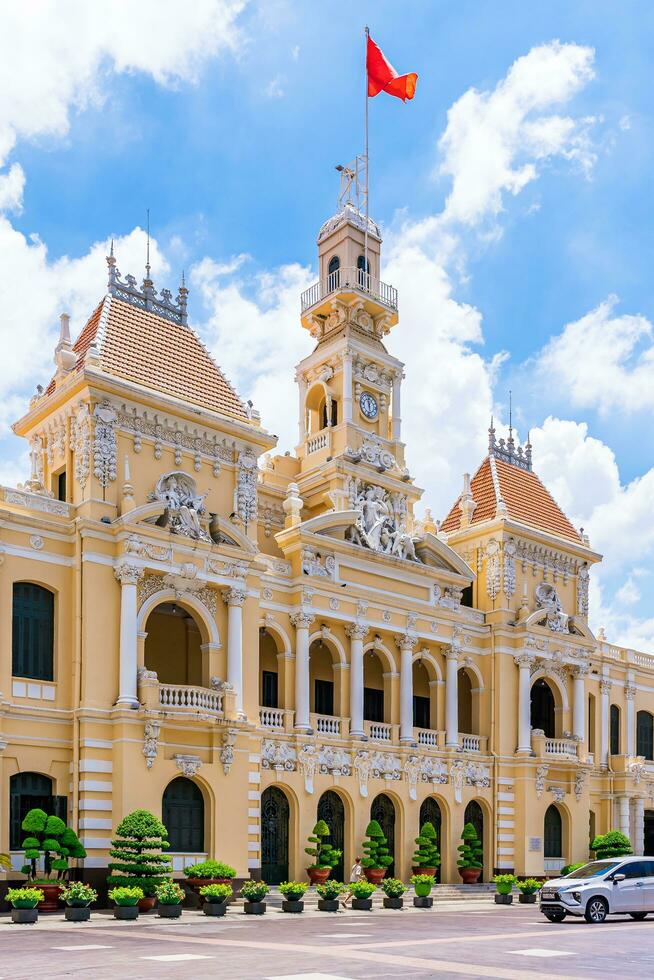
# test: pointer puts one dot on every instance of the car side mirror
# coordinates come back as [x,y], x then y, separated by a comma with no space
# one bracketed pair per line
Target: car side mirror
[618,877]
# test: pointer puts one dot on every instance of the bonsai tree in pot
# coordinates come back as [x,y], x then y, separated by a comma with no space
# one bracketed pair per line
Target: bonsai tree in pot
[48,838]
[170,897]
[329,892]
[24,903]
[254,893]
[127,902]
[209,873]
[215,898]
[377,857]
[470,854]
[426,857]
[393,890]
[528,890]
[504,885]
[324,855]
[612,844]
[422,886]
[138,858]
[78,898]
[293,892]
[362,892]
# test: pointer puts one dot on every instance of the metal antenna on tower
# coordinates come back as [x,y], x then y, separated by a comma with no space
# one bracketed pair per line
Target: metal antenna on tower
[147,254]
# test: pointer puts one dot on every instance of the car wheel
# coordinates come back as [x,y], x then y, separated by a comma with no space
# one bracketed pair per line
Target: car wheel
[597,909]
[555,915]
[638,916]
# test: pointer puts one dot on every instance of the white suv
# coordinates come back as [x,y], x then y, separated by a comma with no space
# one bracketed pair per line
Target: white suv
[616,885]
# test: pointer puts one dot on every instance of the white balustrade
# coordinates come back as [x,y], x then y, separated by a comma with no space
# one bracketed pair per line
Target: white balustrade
[327,725]
[470,743]
[426,737]
[348,279]
[321,440]
[379,732]
[182,697]
[271,717]
[561,746]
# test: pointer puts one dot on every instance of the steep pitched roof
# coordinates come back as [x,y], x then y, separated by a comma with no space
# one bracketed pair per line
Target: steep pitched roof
[524,497]
[153,351]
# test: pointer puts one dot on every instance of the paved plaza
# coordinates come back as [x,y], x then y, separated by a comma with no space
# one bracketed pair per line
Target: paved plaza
[472,939]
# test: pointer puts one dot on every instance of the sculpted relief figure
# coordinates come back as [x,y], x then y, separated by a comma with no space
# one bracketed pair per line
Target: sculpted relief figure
[184,506]
[379,526]
[548,599]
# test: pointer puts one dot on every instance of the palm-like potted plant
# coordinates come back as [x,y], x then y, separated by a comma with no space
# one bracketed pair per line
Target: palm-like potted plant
[422,886]
[528,889]
[209,873]
[362,892]
[169,896]
[377,857]
[470,855]
[126,900]
[324,855]
[329,892]
[215,898]
[78,898]
[504,885]
[254,893]
[50,840]
[393,890]
[138,859]
[426,858]
[24,903]
[293,891]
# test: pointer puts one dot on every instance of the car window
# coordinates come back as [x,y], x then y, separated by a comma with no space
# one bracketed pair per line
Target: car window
[648,869]
[635,869]
[594,869]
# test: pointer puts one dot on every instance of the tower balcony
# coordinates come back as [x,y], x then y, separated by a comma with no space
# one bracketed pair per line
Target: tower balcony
[350,283]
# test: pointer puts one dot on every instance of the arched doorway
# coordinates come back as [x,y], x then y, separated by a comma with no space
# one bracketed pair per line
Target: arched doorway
[430,812]
[475,815]
[275,813]
[31,791]
[268,670]
[383,811]
[373,688]
[553,838]
[173,645]
[183,816]
[645,734]
[321,676]
[421,697]
[332,811]
[464,697]
[542,712]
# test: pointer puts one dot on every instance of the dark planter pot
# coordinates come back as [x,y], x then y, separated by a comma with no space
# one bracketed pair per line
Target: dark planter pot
[503,899]
[169,911]
[77,913]
[128,912]
[318,876]
[423,902]
[393,903]
[254,908]
[328,905]
[195,884]
[527,899]
[470,875]
[24,916]
[425,871]
[147,904]
[214,908]
[374,875]
[51,895]
[362,904]
[290,906]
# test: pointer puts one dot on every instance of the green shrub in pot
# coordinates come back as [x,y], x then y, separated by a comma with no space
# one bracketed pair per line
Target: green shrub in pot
[362,889]
[77,895]
[422,884]
[330,890]
[215,894]
[136,851]
[24,898]
[254,891]
[210,869]
[393,887]
[126,896]
[169,893]
[504,884]
[612,844]
[293,891]
[426,854]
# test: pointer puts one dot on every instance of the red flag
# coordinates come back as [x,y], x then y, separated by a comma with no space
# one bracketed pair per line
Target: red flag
[382,77]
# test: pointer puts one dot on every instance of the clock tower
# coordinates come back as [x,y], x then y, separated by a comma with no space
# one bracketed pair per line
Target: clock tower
[349,386]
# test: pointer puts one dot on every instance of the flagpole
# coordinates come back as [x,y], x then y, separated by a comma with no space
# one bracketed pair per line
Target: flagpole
[365,248]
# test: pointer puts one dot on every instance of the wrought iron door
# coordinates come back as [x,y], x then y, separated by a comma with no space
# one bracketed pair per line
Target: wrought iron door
[332,811]
[28,791]
[183,816]
[383,811]
[274,836]
[430,812]
[475,815]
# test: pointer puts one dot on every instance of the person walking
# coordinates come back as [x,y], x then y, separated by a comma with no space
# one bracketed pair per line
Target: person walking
[356,874]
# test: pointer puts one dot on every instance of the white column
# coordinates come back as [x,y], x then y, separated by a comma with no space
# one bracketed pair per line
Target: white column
[234,599]
[128,576]
[639,825]
[302,621]
[406,645]
[605,692]
[579,703]
[524,663]
[452,698]
[302,408]
[347,386]
[623,812]
[356,632]
[630,694]
[396,407]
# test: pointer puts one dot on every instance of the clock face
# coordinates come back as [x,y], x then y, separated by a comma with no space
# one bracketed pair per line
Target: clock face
[368,405]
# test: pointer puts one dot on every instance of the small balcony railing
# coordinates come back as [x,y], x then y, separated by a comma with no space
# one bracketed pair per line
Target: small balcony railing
[426,737]
[470,743]
[378,731]
[182,697]
[328,725]
[272,718]
[321,440]
[562,747]
[344,280]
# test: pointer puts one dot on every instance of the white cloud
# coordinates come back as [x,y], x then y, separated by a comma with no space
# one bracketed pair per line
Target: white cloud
[12,185]
[274,88]
[629,593]
[602,360]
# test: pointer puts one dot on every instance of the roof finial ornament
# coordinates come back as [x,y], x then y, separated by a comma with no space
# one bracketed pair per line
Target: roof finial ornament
[147,247]
[182,296]
[510,441]
[113,271]
[148,286]
[491,437]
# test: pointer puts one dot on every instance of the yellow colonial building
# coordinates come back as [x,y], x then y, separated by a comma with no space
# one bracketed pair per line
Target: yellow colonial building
[241,641]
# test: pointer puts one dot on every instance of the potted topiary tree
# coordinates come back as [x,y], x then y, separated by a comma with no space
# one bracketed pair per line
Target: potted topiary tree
[362,892]
[422,886]
[48,838]
[169,897]
[293,892]
[377,857]
[141,838]
[393,890]
[426,857]
[24,903]
[470,851]
[78,898]
[209,873]
[329,892]
[504,885]
[324,855]
[254,893]
[215,898]
[612,844]
[126,900]
[528,890]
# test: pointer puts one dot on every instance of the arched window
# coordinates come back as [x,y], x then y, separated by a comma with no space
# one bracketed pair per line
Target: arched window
[28,791]
[475,815]
[268,670]
[591,722]
[362,268]
[464,695]
[333,271]
[274,835]
[383,811]
[542,708]
[553,833]
[430,812]
[615,730]
[32,632]
[645,734]
[183,815]
[173,645]
[328,417]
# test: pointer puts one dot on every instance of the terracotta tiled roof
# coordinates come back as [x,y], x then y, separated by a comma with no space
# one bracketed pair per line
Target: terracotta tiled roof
[524,495]
[157,353]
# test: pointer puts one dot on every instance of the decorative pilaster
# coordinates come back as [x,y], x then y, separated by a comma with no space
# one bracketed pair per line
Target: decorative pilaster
[579,702]
[605,694]
[347,386]
[234,599]
[524,662]
[397,411]
[302,621]
[452,698]
[639,825]
[623,815]
[630,694]
[406,644]
[128,575]
[356,633]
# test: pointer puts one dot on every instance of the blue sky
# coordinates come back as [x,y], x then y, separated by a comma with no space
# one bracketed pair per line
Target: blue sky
[514,192]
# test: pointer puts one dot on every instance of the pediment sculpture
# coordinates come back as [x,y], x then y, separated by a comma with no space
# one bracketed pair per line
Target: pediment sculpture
[381,525]
[547,599]
[184,505]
